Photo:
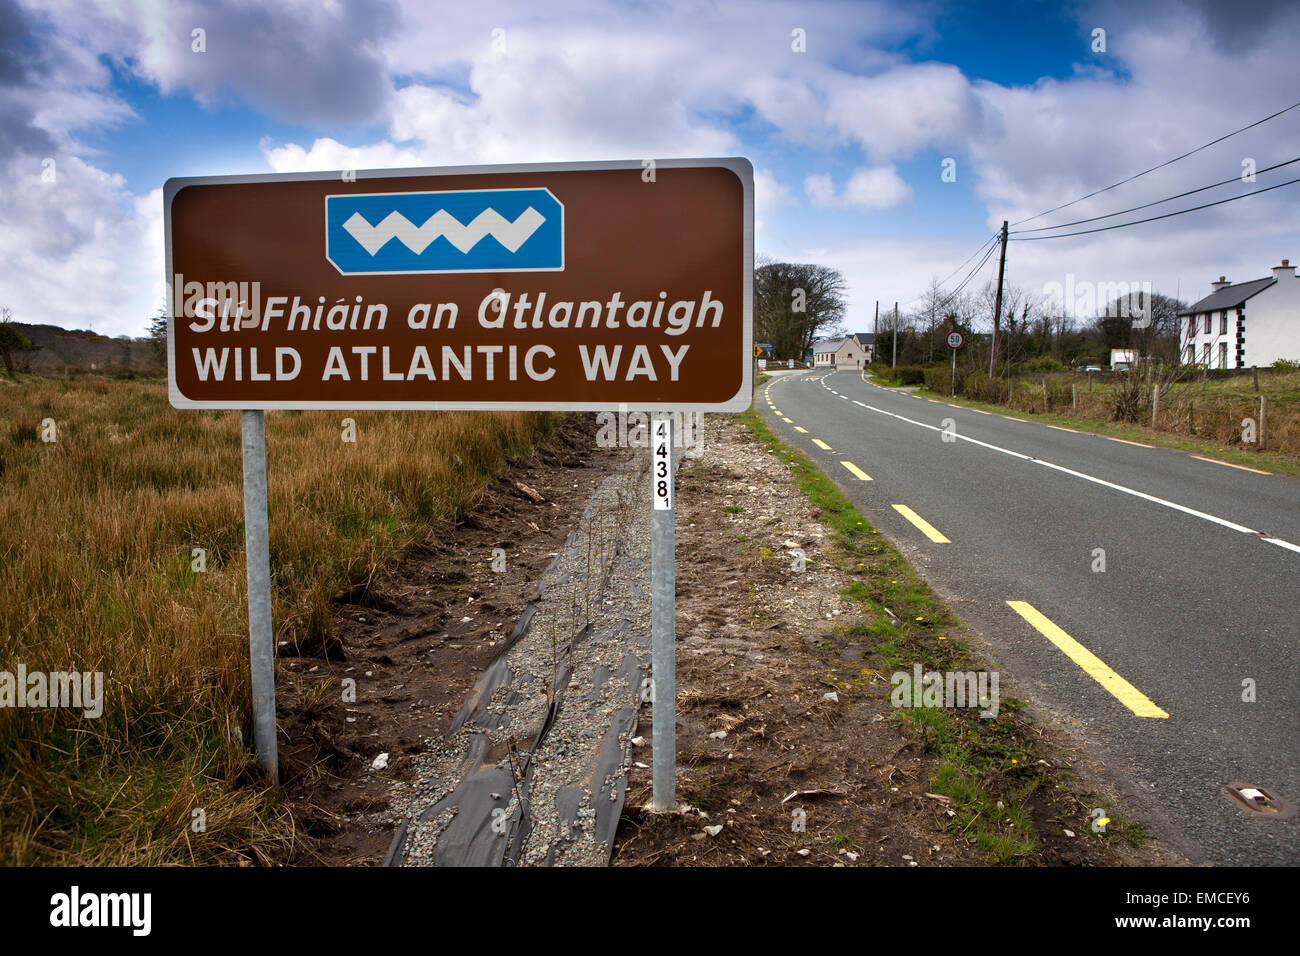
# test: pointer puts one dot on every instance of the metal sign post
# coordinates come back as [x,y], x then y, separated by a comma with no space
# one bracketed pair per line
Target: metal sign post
[471,287]
[663,614]
[261,646]
[954,342]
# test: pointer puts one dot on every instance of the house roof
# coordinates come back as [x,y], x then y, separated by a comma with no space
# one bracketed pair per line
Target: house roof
[861,339]
[1230,297]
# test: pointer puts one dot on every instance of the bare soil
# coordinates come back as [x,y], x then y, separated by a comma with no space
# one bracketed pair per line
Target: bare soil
[761,645]
[415,641]
[783,714]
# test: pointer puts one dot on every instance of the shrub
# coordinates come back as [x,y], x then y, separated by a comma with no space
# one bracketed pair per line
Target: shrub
[1286,365]
[980,387]
[1043,363]
[909,374]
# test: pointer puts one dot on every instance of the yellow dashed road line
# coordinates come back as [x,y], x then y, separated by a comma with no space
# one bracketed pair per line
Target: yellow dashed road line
[927,529]
[1124,692]
[855,471]
[1231,465]
[798,429]
[1062,428]
[1125,441]
[788,421]
[821,444]
[981,411]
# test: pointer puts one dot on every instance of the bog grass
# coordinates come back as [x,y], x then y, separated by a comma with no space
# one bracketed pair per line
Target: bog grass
[97,573]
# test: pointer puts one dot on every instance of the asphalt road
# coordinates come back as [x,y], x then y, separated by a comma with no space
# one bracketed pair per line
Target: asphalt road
[1200,592]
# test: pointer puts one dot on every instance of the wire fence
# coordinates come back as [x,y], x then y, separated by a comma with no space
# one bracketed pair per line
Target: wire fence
[1159,401]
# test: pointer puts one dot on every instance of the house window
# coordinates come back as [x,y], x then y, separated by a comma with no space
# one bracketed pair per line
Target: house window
[1191,327]
[1191,355]
[1223,355]
[1205,353]
[1208,316]
[1223,322]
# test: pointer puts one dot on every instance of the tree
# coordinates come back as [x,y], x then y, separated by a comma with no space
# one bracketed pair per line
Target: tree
[794,303]
[12,341]
[1145,322]
[158,336]
[930,312]
[1008,332]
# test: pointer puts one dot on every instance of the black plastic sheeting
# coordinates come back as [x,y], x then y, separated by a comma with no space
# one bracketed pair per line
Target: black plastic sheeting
[470,839]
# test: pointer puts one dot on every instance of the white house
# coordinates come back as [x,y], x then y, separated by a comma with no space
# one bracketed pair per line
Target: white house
[853,351]
[1244,324]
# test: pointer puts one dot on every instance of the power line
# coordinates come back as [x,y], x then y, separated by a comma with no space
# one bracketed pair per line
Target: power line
[970,275]
[992,238]
[1190,192]
[1160,166]
[1138,222]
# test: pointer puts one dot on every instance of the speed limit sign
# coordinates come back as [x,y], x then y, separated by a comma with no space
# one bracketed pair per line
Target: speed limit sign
[954,340]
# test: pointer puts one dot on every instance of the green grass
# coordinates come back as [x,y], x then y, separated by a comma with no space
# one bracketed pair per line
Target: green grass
[981,762]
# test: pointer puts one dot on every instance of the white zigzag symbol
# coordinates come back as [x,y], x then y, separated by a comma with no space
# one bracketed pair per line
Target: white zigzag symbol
[512,235]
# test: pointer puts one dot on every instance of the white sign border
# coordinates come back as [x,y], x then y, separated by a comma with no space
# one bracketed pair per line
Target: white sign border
[741,167]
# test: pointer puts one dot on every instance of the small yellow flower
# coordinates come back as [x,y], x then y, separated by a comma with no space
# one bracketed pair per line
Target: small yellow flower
[1014,760]
[920,619]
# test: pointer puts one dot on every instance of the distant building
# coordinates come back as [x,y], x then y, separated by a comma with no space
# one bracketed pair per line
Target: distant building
[1249,323]
[1123,358]
[852,351]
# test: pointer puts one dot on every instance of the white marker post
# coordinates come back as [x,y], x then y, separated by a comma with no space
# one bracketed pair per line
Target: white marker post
[663,614]
[257,552]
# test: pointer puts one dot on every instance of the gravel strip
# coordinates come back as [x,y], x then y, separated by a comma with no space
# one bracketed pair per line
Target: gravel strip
[533,770]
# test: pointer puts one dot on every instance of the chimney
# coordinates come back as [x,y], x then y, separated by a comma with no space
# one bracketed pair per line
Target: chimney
[1221,284]
[1285,270]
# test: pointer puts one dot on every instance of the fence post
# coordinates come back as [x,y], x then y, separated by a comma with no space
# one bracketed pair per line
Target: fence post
[1261,421]
[1074,397]
[1155,404]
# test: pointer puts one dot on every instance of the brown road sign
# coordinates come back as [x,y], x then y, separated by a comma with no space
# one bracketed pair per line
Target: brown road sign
[580,286]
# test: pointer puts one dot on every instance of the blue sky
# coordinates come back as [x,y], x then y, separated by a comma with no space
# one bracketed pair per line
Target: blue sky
[848,137]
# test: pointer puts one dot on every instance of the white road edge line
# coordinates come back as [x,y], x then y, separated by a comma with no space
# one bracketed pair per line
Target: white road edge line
[1214,519]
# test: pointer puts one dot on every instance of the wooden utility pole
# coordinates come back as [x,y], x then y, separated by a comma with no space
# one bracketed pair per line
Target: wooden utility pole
[893,362]
[997,305]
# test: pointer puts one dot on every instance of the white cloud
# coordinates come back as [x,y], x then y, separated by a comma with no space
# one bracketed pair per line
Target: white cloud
[327,153]
[820,189]
[584,79]
[79,251]
[869,187]
[907,109]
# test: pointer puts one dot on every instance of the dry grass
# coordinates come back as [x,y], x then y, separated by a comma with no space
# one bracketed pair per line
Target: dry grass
[1197,407]
[96,534]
